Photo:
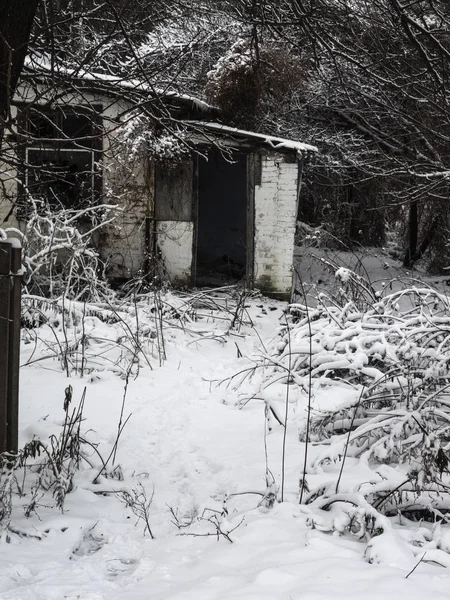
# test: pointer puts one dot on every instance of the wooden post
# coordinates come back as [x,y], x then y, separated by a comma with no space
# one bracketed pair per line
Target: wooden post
[14,349]
[10,297]
[5,299]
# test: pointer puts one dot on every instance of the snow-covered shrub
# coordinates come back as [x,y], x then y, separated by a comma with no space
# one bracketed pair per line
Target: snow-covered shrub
[120,333]
[140,138]
[44,470]
[233,84]
[253,85]
[58,253]
[385,361]
[57,462]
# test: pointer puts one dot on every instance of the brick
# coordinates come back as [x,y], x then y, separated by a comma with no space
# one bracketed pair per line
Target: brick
[275,218]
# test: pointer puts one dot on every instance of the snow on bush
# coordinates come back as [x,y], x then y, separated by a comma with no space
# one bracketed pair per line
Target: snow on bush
[386,357]
[233,85]
[43,472]
[58,254]
[239,59]
[125,331]
[140,138]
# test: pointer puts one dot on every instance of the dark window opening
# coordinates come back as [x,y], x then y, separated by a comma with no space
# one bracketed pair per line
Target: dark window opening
[61,152]
[63,177]
[222,219]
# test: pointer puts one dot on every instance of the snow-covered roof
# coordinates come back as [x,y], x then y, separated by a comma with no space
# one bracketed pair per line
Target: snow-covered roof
[273,142]
[112,84]
[107,83]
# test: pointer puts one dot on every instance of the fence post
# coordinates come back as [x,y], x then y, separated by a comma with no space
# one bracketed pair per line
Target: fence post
[5,299]
[14,349]
[10,296]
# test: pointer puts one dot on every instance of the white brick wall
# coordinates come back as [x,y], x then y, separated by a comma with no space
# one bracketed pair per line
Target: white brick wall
[275,219]
[175,240]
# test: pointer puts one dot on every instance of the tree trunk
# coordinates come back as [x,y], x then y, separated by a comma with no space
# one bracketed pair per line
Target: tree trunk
[413,235]
[16,20]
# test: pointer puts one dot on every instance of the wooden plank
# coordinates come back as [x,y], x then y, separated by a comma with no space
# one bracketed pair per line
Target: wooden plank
[194,217]
[14,351]
[173,192]
[5,296]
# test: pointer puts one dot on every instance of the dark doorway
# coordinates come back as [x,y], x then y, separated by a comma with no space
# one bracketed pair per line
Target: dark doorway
[222,219]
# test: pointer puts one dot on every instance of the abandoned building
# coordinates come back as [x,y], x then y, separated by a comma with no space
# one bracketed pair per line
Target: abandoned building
[223,211]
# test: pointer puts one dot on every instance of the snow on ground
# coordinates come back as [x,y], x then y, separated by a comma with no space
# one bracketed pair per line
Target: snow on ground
[385,273]
[198,444]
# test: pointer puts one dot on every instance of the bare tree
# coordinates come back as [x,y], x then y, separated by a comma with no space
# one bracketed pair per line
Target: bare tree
[374,96]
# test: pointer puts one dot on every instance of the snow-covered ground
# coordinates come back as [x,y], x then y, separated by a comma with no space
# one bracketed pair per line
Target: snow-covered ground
[198,440]
[385,273]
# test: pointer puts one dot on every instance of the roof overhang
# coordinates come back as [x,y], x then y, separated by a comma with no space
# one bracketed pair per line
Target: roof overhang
[242,137]
[115,86]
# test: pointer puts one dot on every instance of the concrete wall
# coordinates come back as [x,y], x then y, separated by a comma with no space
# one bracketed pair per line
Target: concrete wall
[275,220]
[175,241]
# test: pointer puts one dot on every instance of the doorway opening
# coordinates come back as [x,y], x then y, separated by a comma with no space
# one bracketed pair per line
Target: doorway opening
[222,219]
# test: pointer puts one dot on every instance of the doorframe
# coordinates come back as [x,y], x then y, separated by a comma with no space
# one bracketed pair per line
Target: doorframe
[195,159]
[253,179]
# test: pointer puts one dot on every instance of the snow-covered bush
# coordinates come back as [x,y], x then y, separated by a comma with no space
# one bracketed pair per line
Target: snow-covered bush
[120,333]
[381,362]
[258,86]
[58,253]
[43,472]
[233,78]
[140,137]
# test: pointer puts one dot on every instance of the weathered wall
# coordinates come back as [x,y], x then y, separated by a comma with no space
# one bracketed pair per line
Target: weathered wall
[275,219]
[122,243]
[174,194]
[129,186]
[175,241]
[8,188]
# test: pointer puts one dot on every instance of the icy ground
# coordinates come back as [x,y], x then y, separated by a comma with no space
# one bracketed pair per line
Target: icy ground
[198,442]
